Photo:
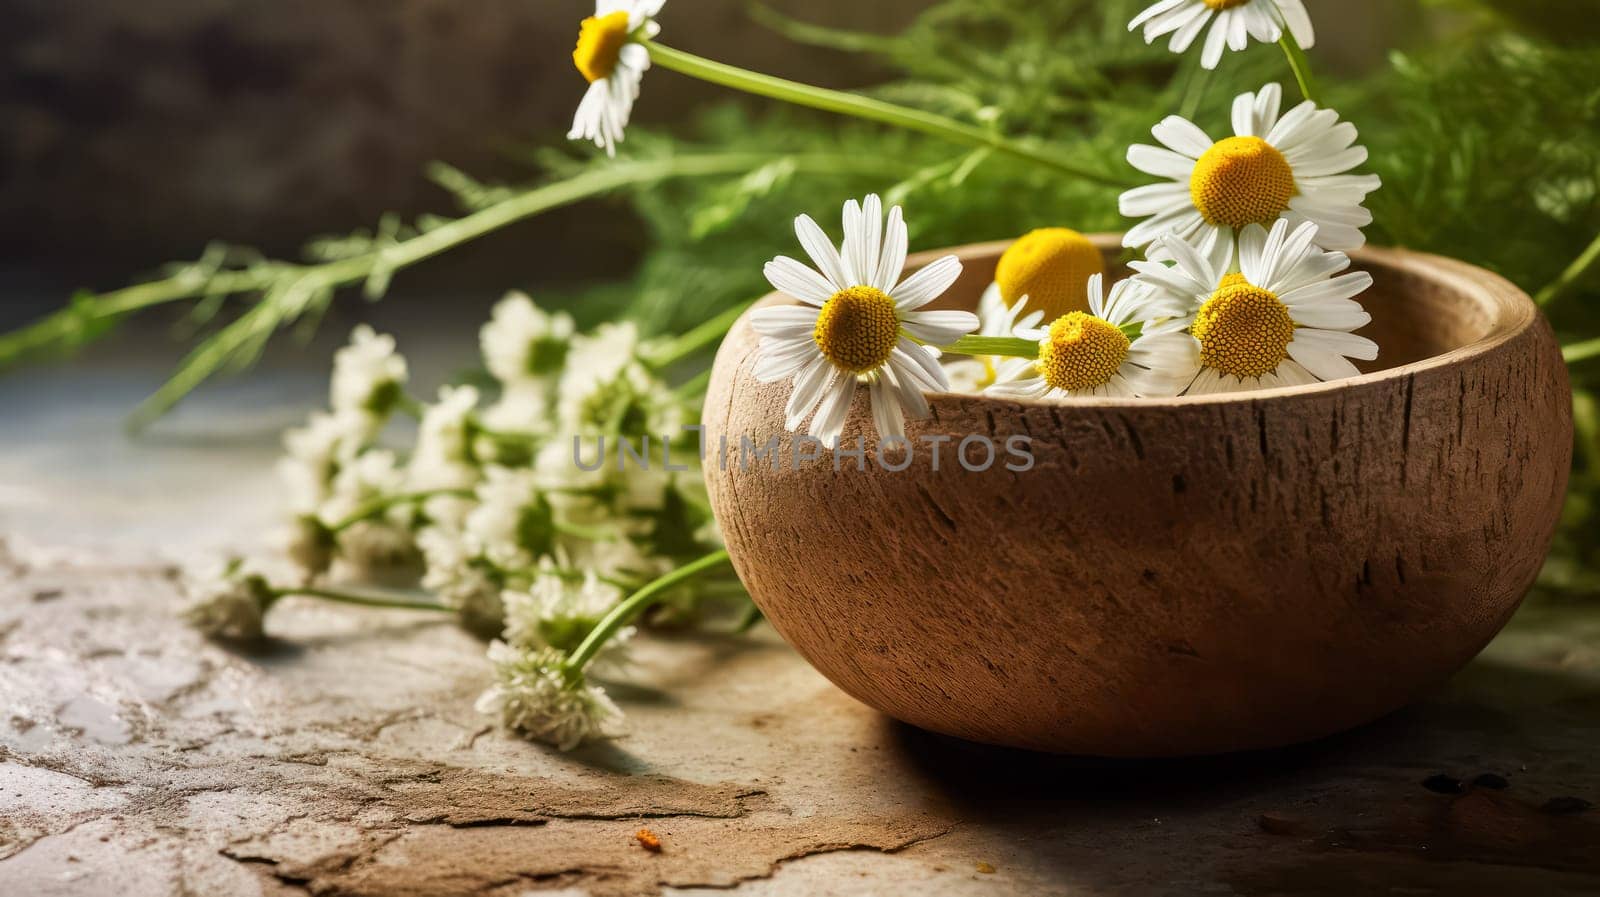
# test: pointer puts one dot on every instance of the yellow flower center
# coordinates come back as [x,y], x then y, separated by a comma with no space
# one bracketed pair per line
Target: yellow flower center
[857,329]
[1220,5]
[1243,330]
[600,41]
[1052,267]
[1081,352]
[1240,181]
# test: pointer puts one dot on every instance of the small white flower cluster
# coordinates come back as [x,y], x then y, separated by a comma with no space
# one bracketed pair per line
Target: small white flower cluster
[534,695]
[490,508]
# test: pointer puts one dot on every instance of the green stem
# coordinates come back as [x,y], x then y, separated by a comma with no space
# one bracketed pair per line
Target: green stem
[631,606]
[752,615]
[385,502]
[1299,63]
[1195,87]
[1581,351]
[704,334]
[359,600]
[59,327]
[860,107]
[296,282]
[694,387]
[1008,346]
[1574,273]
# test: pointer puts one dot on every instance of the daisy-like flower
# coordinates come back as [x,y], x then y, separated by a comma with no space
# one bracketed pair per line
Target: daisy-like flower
[1284,319]
[229,603]
[556,611]
[380,542]
[1090,353]
[1044,273]
[524,342]
[1235,22]
[534,695]
[513,524]
[443,458]
[368,375]
[859,322]
[605,390]
[1292,168]
[610,56]
[313,455]
[461,578]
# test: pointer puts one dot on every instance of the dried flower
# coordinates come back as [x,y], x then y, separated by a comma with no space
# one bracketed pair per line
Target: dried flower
[229,603]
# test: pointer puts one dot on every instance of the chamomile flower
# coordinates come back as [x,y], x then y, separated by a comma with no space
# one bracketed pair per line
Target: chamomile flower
[1044,273]
[1089,353]
[534,695]
[1293,168]
[1283,319]
[1233,23]
[858,323]
[613,61]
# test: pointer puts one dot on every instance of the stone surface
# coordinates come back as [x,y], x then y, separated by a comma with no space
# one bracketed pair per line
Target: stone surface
[138,760]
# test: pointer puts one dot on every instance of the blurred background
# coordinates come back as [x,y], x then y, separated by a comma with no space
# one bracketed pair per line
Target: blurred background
[134,133]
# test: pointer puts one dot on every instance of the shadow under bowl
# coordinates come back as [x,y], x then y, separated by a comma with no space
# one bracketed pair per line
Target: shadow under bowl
[1172,577]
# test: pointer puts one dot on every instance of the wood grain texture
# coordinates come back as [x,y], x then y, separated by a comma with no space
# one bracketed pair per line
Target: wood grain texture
[1173,577]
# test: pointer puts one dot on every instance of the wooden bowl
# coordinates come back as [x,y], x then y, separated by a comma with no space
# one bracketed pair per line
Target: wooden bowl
[1173,577]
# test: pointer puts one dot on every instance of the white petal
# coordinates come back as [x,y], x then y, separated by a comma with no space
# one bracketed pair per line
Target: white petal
[1216,42]
[913,403]
[1341,314]
[787,321]
[1161,162]
[835,408]
[1155,198]
[1299,22]
[892,259]
[809,388]
[1322,363]
[927,284]
[940,328]
[885,401]
[1183,136]
[1343,287]
[779,361]
[1348,344]
[794,279]
[922,366]
[1157,9]
[822,252]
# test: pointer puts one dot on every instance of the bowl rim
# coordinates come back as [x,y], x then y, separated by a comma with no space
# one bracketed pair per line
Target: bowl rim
[1512,314]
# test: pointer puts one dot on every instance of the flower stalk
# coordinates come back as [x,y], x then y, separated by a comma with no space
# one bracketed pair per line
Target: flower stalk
[1299,64]
[1574,273]
[357,599]
[866,108]
[630,607]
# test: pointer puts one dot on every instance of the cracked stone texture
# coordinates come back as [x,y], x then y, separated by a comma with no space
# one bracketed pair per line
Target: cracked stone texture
[344,758]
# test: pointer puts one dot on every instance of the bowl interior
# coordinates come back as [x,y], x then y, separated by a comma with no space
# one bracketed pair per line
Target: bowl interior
[1416,315]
